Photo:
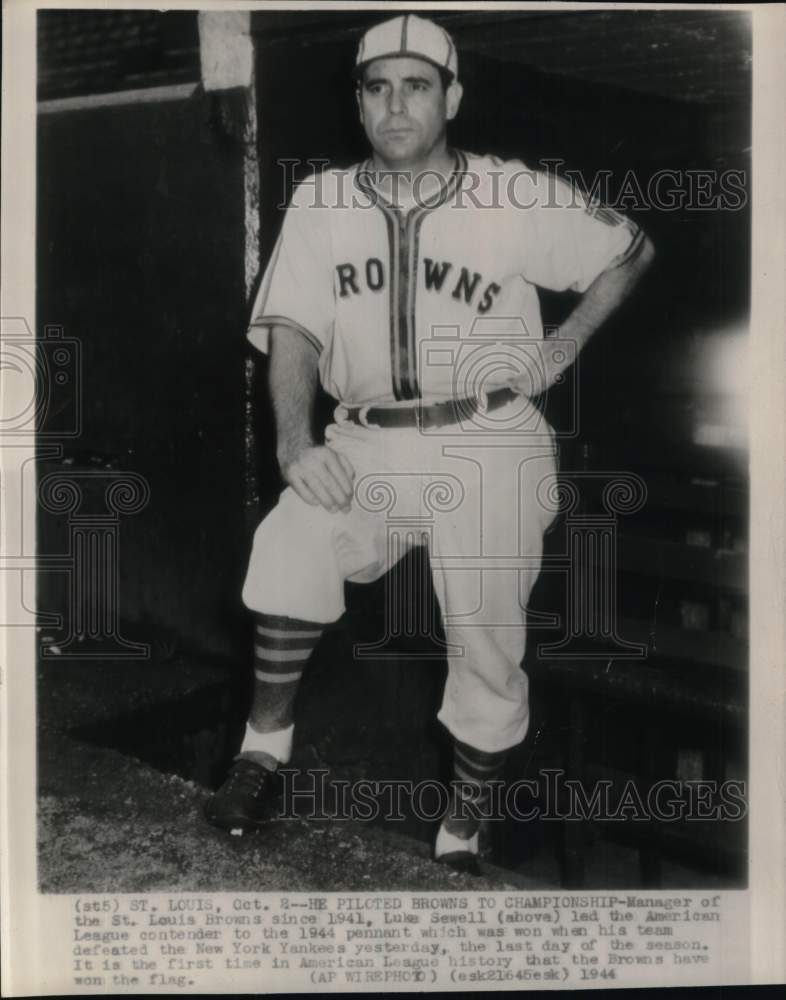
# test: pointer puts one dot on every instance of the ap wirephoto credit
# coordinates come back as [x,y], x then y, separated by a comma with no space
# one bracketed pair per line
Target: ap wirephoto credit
[383,483]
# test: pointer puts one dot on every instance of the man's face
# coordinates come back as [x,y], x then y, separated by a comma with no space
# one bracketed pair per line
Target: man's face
[404,109]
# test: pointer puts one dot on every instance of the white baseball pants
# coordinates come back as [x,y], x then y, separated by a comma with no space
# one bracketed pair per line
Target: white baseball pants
[477,507]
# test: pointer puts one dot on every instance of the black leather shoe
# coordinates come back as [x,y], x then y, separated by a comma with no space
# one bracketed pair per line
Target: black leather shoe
[460,861]
[242,803]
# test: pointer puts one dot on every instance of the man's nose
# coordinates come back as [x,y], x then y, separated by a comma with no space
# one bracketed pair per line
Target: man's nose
[396,101]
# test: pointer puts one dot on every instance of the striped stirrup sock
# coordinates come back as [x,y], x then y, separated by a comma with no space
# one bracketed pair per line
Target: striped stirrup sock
[472,770]
[282,647]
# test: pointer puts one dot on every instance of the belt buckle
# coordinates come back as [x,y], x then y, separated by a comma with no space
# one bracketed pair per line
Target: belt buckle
[363,417]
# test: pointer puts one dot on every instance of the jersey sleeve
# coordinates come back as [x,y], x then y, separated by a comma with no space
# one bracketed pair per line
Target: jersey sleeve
[568,240]
[297,286]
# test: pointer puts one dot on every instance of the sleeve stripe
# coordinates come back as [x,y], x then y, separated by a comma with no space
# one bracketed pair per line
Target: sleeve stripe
[271,321]
[633,250]
[607,215]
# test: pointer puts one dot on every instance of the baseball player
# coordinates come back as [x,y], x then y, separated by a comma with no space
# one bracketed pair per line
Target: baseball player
[408,286]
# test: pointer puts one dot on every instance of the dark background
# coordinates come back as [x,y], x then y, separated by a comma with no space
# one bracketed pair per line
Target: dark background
[140,258]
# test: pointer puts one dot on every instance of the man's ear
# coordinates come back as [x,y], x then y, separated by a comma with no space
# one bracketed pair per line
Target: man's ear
[453,97]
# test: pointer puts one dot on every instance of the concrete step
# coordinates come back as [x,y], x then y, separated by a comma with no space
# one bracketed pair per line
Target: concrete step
[110,821]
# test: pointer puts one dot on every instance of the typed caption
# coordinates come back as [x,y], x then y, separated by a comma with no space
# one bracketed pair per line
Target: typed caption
[263,943]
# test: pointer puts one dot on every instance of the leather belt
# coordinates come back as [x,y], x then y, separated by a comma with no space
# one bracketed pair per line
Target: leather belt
[428,416]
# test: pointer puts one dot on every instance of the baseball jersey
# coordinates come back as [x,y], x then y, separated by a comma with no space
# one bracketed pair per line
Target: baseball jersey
[439,301]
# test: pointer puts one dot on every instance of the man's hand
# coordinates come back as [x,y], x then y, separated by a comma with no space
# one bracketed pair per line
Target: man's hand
[542,376]
[320,475]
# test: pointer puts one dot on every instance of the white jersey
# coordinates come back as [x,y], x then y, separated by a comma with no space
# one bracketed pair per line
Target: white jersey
[400,304]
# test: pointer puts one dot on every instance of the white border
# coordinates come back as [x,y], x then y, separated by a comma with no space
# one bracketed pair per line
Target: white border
[767,796]
[24,926]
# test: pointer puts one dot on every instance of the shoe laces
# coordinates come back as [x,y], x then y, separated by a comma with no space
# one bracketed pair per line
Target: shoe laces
[248,778]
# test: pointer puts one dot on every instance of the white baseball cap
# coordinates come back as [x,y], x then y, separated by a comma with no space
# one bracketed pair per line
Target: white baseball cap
[412,36]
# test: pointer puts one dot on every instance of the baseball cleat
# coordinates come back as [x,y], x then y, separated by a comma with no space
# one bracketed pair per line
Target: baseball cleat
[241,804]
[460,861]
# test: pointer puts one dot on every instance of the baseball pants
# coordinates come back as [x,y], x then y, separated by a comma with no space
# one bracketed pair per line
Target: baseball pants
[478,509]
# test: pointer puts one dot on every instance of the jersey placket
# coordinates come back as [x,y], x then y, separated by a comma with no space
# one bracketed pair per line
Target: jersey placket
[409,224]
[403,238]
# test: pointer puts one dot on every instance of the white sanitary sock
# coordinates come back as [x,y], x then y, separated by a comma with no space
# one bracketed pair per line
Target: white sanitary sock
[277,744]
[447,843]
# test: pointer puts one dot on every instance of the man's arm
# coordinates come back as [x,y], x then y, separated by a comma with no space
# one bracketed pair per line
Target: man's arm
[605,294]
[316,473]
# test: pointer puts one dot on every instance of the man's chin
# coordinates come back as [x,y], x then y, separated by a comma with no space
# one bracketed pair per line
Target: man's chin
[397,151]
[400,163]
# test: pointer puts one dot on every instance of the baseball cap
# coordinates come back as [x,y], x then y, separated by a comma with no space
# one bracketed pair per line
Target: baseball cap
[408,35]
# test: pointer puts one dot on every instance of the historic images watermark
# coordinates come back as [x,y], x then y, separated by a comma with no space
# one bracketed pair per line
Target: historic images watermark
[43,378]
[551,184]
[489,466]
[547,796]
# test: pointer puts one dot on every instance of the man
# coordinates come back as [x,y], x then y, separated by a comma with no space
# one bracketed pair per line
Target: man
[383,284]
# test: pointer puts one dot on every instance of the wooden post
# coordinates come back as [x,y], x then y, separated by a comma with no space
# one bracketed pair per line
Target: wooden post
[227,59]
